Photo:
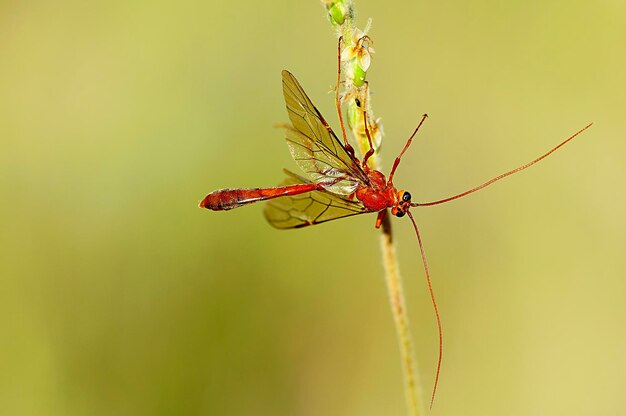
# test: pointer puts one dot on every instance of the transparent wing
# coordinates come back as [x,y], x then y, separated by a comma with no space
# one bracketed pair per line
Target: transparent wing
[315,147]
[309,208]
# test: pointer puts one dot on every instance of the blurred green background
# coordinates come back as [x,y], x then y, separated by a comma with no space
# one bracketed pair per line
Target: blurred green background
[119,296]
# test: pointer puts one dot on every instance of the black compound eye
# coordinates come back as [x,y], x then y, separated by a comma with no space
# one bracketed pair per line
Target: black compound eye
[400,214]
[406,197]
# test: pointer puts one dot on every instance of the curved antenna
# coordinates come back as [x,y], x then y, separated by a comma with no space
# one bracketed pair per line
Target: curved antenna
[432,298]
[504,175]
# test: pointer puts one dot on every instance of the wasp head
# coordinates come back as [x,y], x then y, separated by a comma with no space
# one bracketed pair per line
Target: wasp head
[403,204]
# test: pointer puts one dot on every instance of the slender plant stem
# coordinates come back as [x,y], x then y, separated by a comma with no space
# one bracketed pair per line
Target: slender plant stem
[413,391]
[355,60]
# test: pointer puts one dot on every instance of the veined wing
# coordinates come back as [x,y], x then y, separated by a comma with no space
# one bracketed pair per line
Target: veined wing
[315,147]
[309,208]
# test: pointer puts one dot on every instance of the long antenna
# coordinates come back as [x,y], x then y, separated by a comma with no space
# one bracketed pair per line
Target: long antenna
[432,298]
[504,175]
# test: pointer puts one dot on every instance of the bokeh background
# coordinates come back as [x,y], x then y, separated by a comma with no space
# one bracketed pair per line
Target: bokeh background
[119,296]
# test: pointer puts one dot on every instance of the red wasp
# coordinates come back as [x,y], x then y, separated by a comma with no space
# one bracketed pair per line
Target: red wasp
[336,184]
